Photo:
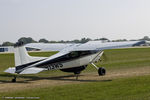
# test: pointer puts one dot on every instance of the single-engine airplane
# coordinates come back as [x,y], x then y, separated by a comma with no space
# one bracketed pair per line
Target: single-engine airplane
[74,58]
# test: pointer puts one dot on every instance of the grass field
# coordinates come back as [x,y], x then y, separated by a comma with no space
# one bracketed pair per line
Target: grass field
[128,78]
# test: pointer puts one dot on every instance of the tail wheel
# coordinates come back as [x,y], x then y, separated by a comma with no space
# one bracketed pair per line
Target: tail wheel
[101,71]
[14,79]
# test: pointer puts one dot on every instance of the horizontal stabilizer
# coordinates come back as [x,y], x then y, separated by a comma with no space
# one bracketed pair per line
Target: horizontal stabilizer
[10,70]
[32,70]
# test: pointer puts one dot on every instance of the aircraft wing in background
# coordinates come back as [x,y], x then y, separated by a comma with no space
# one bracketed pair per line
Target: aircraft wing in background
[91,45]
[98,45]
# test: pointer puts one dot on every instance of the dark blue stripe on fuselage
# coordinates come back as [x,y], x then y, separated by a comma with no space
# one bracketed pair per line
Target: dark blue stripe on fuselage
[21,67]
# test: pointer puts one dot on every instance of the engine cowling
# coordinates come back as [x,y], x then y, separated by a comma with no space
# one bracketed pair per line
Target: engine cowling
[101,71]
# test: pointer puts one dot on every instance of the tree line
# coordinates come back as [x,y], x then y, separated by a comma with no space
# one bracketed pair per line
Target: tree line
[26,40]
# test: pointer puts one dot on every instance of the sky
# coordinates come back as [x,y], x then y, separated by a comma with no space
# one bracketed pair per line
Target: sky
[74,19]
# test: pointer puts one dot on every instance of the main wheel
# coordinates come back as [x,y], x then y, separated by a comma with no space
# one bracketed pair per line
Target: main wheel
[101,71]
[13,80]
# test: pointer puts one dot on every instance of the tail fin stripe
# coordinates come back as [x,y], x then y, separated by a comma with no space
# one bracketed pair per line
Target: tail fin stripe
[21,67]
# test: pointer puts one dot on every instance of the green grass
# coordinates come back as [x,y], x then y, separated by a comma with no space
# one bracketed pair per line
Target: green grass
[6,60]
[133,88]
[42,54]
[124,58]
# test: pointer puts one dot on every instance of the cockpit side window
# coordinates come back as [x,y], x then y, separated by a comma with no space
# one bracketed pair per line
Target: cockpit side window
[74,54]
[83,53]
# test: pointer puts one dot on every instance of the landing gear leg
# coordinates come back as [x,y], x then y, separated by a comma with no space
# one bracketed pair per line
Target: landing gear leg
[101,70]
[95,66]
[76,75]
[14,79]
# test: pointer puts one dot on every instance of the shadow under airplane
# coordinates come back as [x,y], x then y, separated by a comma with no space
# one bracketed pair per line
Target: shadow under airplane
[29,78]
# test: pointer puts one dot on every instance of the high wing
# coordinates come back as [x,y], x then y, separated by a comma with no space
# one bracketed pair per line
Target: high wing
[49,46]
[98,45]
[91,45]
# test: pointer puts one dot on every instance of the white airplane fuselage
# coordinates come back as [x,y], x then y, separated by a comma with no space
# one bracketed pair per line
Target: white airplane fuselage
[74,60]
[80,61]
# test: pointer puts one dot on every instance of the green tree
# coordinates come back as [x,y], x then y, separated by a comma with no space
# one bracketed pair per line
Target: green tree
[103,39]
[145,38]
[43,41]
[76,41]
[119,40]
[52,41]
[7,44]
[61,41]
[84,40]
[26,40]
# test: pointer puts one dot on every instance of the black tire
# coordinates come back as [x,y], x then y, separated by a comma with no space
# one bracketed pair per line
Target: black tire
[101,71]
[13,80]
[77,72]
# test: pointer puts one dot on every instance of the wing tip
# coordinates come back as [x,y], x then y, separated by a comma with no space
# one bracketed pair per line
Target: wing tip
[139,43]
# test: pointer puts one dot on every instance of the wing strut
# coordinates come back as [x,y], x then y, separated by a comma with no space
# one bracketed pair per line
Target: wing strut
[95,66]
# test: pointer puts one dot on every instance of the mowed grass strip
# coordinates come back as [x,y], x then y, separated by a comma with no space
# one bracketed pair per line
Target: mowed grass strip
[133,88]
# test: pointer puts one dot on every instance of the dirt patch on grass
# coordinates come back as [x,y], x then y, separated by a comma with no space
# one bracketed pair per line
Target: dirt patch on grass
[30,82]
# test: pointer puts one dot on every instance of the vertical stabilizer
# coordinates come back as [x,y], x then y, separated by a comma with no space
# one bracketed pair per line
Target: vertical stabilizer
[21,55]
